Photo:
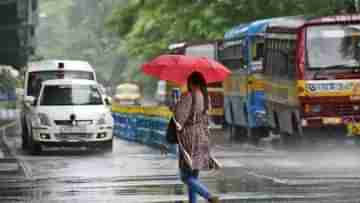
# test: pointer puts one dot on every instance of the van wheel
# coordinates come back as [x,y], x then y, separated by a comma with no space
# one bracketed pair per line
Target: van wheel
[34,147]
[108,145]
[24,137]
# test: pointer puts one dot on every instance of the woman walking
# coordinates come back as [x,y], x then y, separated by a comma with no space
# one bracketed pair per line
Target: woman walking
[193,137]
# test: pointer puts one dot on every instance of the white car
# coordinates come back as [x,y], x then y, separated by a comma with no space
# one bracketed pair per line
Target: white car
[68,112]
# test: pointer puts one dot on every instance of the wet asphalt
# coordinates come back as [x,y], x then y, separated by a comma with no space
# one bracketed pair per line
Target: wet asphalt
[137,173]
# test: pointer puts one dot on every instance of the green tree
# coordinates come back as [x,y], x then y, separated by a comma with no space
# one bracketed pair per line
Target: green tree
[148,27]
[75,29]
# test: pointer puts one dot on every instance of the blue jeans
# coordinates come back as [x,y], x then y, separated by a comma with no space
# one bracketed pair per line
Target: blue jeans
[191,179]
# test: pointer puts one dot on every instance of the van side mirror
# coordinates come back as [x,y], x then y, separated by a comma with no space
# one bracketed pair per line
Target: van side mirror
[30,100]
[107,101]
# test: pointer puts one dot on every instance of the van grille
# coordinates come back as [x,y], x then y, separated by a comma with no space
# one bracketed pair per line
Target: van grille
[73,136]
[69,123]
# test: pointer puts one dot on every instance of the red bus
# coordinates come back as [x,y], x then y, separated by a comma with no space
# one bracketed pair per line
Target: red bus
[312,76]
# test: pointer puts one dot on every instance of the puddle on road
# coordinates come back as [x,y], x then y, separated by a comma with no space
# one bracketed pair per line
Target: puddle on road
[157,190]
[95,177]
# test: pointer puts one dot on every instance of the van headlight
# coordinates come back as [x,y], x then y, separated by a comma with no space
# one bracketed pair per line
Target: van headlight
[44,119]
[101,120]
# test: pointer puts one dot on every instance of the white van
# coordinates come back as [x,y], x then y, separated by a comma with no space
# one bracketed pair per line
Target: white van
[38,72]
[41,71]
[68,112]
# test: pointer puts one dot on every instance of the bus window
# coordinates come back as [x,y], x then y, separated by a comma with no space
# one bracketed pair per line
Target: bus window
[283,59]
[268,58]
[291,59]
[259,52]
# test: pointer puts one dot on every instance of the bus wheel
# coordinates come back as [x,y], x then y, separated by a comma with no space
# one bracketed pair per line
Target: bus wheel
[239,134]
[286,139]
[257,134]
[297,137]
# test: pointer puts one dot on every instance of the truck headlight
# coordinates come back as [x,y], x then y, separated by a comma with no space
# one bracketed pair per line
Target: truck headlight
[44,119]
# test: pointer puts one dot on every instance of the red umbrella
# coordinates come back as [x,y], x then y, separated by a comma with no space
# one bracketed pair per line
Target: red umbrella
[177,68]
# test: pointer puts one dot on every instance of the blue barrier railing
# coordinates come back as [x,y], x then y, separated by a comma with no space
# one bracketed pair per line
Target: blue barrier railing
[148,130]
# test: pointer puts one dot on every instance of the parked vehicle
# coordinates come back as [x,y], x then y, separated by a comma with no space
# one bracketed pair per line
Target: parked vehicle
[41,71]
[55,69]
[242,51]
[160,94]
[312,76]
[68,112]
[127,94]
[203,49]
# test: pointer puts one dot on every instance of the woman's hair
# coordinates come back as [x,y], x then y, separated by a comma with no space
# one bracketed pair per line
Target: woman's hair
[197,79]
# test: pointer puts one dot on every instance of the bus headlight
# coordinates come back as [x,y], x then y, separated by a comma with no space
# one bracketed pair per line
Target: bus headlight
[315,108]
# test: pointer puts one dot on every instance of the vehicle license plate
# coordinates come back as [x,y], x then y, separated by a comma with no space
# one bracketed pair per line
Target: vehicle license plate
[73,129]
[354,129]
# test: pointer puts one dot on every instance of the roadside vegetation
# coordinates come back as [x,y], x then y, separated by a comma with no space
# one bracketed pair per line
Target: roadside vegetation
[116,36]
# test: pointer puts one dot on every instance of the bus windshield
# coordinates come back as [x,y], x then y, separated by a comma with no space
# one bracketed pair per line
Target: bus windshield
[333,46]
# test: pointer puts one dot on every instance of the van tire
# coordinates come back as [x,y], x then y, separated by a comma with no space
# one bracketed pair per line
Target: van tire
[24,137]
[108,145]
[33,146]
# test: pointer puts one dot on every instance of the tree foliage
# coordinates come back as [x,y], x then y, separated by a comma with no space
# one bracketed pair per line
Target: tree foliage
[150,26]
[141,29]
[7,81]
[75,29]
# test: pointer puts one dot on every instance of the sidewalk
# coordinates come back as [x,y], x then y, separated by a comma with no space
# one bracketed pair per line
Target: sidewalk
[8,164]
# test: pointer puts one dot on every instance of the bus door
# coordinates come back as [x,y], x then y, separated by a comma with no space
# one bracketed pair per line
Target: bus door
[280,85]
[235,86]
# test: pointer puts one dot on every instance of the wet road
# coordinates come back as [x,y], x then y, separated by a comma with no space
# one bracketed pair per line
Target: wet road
[135,173]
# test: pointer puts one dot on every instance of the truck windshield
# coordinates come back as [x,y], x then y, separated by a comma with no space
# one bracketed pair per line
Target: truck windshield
[70,95]
[333,46]
[36,78]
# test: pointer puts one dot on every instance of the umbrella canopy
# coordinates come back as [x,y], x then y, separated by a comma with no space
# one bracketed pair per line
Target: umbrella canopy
[177,68]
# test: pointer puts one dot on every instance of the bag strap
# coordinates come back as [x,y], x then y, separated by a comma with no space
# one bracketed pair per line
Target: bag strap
[191,116]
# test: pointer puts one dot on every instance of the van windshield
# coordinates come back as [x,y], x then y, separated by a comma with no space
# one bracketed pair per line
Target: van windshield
[63,95]
[36,78]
